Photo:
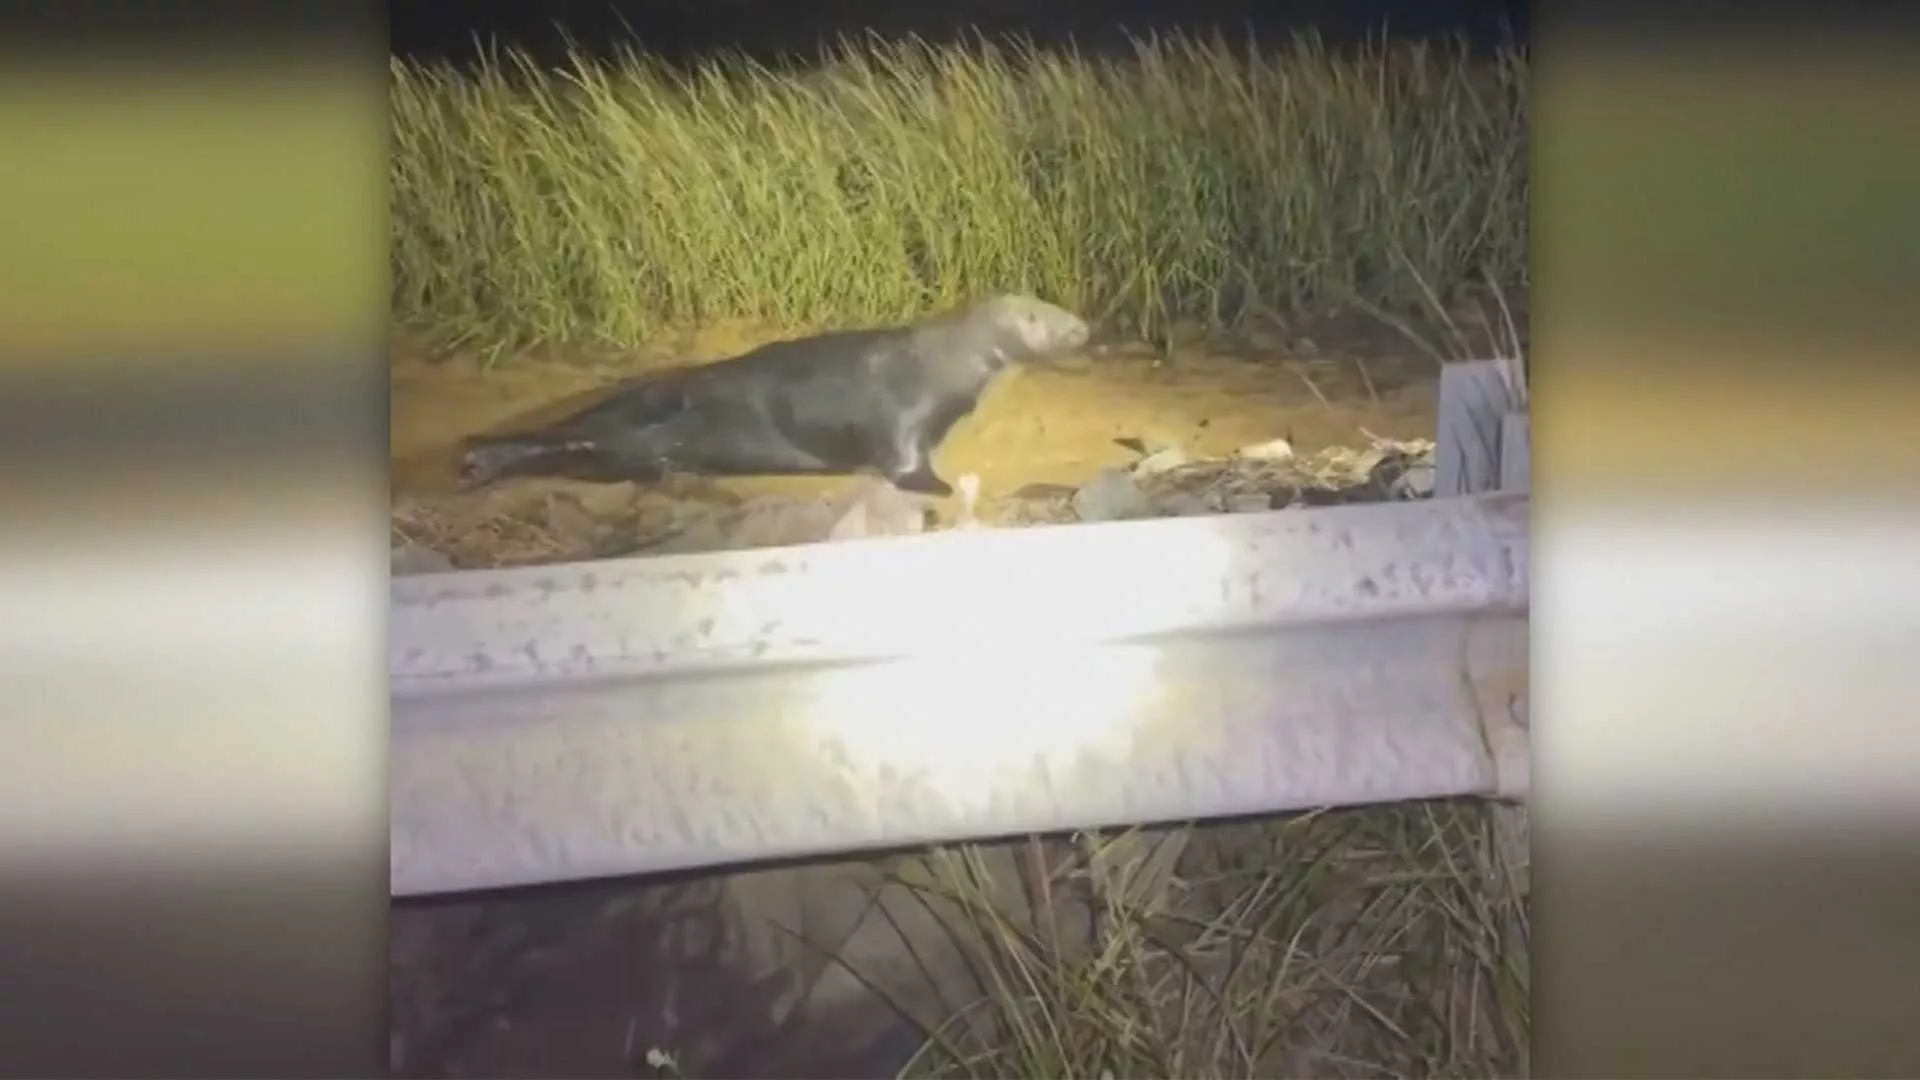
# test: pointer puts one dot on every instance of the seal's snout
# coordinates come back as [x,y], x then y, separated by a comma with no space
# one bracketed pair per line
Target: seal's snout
[1057,333]
[1045,330]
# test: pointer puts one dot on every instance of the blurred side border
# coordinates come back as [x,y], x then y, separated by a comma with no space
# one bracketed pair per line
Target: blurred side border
[193,414]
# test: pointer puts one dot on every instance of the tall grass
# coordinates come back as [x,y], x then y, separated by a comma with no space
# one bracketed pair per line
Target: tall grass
[1195,179]
[1381,941]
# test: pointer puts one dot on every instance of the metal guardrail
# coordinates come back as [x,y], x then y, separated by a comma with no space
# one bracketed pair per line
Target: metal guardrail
[563,722]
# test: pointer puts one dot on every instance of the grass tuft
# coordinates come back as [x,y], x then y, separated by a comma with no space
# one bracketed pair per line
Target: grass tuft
[1381,941]
[1192,180]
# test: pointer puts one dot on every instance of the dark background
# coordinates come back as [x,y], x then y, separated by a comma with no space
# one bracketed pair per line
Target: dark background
[684,30]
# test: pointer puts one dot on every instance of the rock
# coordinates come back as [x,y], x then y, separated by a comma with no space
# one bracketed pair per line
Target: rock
[571,523]
[1111,495]
[1160,461]
[776,521]
[1272,450]
[413,559]
[1402,472]
[606,501]
[1415,483]
[689,530]
[1185,504]
[1249,502]
[877,508]
[854,523]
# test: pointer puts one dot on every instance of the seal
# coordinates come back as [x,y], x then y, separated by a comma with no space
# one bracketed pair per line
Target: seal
[880,400]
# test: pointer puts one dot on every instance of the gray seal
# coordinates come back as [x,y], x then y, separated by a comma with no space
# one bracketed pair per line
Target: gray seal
[880,400]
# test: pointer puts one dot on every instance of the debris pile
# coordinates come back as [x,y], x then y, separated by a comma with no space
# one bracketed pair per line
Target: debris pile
[576,522]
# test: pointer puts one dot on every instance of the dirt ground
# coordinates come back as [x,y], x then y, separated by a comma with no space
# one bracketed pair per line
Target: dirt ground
[568,980]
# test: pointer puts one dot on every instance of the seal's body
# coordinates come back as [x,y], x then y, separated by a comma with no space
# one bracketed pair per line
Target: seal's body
[836,403]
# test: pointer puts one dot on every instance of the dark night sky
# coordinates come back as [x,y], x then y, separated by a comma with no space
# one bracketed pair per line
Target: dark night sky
[679,29]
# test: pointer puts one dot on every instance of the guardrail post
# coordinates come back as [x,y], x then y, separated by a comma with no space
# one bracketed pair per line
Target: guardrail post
[1485,444]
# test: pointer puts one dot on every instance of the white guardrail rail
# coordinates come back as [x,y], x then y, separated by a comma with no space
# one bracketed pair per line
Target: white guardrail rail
[650,714]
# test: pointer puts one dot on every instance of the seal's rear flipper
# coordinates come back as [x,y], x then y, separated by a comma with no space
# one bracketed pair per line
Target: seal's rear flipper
[488,460]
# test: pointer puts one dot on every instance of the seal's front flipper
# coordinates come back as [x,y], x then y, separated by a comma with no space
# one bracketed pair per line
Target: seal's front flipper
[922,481]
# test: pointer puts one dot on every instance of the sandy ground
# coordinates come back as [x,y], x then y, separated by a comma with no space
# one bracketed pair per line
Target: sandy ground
[1051,426]
[583,980]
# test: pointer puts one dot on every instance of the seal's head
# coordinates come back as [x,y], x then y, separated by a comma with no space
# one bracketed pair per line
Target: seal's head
[1036,329]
